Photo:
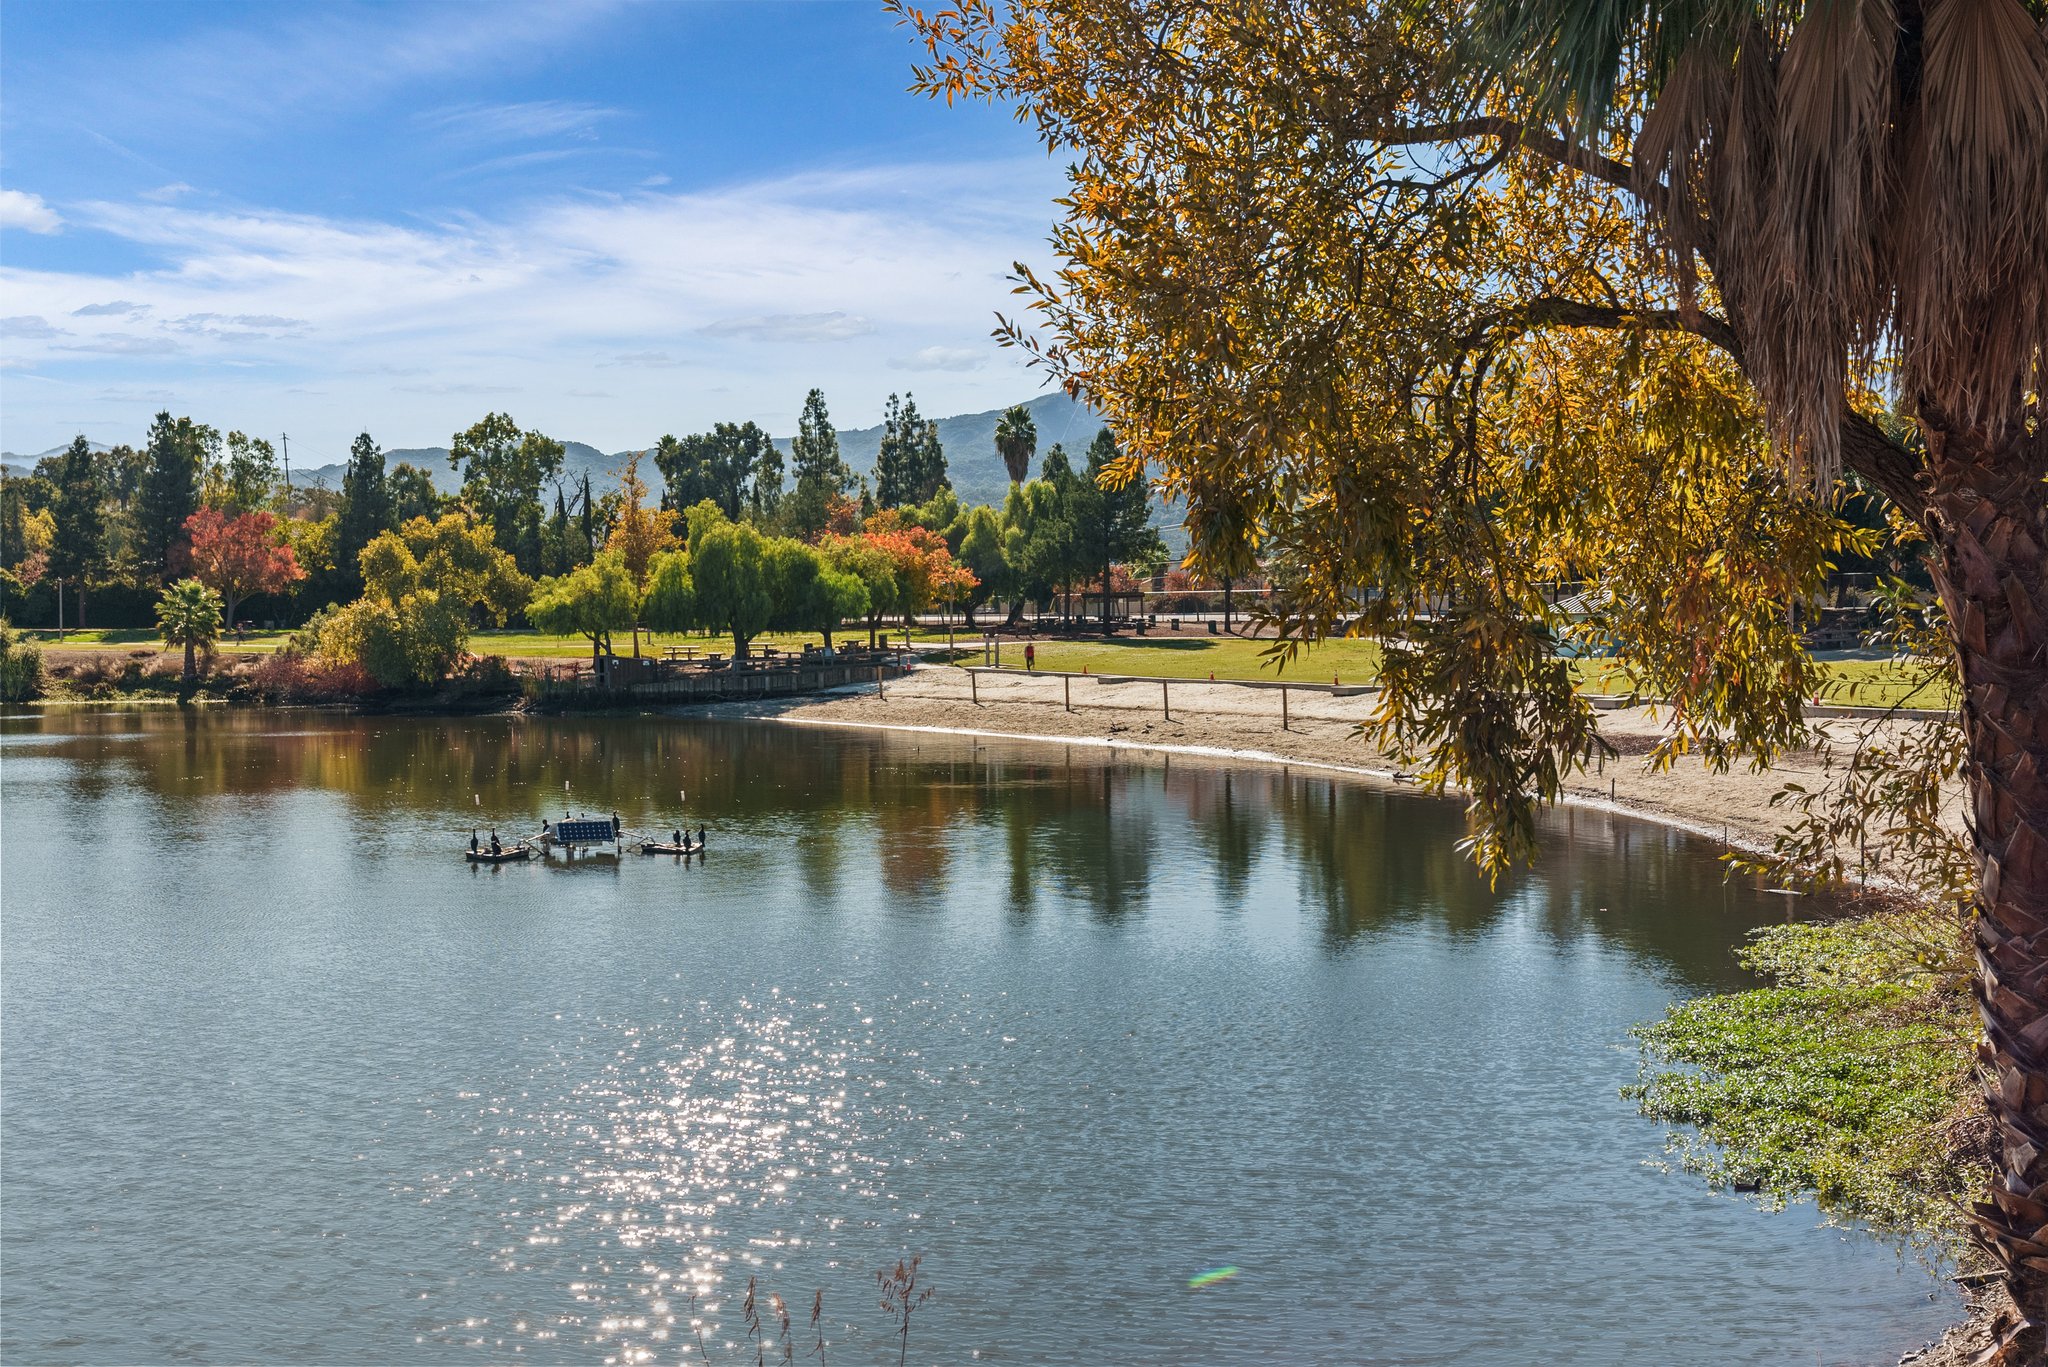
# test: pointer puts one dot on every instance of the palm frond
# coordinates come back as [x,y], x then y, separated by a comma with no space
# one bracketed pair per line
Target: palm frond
[1973,277]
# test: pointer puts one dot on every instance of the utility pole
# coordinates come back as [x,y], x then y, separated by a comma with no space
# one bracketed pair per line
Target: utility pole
[286,438]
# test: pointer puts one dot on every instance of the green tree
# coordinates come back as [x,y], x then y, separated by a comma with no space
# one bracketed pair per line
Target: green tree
[595,600]
[734,465]
[78,551]
[814,452]
[820,472]
[729,584]
[177,452]
[413,641]
[1040,542]
[413,495]
[188,615]
[911,465]
[1017,442]
[874,569]
[1597,290]
[983,551]
[1111,514]
[455,558]
[503,469]
[241,478]
[670,604]
[808,593]
[366,504]
[589,526]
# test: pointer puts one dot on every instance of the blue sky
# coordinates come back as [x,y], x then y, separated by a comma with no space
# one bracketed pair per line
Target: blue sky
[611,220]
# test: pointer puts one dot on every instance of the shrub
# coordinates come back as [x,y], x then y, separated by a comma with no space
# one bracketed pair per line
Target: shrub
[487,674]
[412,643]
[290,677]
[21,667]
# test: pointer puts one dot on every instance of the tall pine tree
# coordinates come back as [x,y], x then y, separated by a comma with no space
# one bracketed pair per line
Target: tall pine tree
[911,466]
[1112,525]
[366,508]
[78,553]
[176,453]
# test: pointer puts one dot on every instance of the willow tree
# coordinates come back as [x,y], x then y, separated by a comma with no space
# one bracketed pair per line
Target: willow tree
[1442,300]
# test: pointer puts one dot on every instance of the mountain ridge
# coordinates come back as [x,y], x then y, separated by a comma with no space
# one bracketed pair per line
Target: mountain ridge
[972,463]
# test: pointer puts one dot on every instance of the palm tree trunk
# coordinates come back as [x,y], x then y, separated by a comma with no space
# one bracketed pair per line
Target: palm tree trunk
[1989,514]
[191,665]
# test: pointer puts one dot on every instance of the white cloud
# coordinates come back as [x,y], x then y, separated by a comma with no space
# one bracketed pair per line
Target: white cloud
[697,306]
[116,308]
[250,70]
[125,344]
[516,122]
[942,358]
[791,327]
[29,325]
[164,194]
[652,360]
[20,209]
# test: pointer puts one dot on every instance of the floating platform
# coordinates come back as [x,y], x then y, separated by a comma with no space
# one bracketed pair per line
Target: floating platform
[511,855]
[663,847]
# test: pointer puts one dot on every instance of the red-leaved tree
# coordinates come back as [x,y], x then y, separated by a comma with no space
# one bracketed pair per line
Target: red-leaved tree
[238,556]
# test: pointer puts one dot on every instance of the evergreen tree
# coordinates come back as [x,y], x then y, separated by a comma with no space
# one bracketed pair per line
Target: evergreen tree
[412,493]
[814,452]
[586,523]
[764,485]
[169,493]
[1111,525]
[554,538]
[78,552]
[366,505]
[911,466]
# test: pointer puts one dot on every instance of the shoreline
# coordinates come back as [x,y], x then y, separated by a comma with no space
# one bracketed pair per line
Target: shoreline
[1230,724]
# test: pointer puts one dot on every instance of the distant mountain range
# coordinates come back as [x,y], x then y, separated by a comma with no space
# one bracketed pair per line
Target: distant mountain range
[968,438]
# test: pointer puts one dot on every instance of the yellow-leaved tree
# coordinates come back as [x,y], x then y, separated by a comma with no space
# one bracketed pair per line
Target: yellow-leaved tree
[1428,304]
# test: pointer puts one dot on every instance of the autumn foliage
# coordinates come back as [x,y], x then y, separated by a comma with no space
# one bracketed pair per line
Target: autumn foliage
[238,556]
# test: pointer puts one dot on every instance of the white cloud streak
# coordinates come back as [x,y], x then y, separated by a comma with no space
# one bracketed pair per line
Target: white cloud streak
[756,291]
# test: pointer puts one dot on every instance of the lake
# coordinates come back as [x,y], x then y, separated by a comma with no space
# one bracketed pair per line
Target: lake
[286,1080]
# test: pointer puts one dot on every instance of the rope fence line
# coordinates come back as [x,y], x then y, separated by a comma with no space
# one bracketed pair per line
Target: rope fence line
[1164,683]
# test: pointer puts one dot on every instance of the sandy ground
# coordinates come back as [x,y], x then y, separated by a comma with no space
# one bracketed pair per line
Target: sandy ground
[1246,722]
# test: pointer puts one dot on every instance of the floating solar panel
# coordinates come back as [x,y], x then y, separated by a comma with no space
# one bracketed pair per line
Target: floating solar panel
[584,832]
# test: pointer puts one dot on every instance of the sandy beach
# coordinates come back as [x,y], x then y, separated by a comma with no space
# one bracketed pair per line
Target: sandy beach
[1230,721]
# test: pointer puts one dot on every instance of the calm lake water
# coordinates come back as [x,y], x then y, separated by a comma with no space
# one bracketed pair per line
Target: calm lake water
[287,1081]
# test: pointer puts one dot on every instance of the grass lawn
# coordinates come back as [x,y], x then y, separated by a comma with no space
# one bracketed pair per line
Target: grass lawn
[1194,657]
[1867,683]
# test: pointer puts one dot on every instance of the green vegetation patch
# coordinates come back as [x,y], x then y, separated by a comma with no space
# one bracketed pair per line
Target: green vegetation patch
[1848,1078]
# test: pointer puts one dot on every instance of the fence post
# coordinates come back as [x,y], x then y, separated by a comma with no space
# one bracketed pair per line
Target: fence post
[1165,705]
[1067,683]
[1283,707]
[974,686]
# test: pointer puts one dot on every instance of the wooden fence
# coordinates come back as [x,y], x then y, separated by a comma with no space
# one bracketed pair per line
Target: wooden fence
[658,682]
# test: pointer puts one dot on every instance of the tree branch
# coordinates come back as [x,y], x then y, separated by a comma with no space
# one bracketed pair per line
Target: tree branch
[1889,467]
[1551,310]
[1547,145]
